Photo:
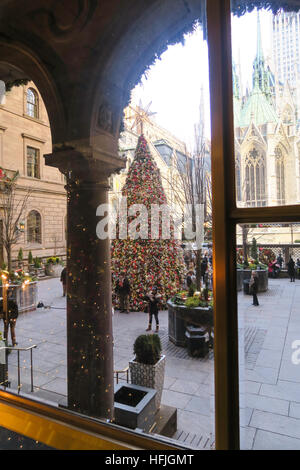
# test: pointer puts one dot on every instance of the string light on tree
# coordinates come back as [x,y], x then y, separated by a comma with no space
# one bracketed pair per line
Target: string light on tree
[146,261]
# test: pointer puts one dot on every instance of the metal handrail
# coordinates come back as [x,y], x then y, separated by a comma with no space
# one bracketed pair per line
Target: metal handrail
[122,371]
[29,348]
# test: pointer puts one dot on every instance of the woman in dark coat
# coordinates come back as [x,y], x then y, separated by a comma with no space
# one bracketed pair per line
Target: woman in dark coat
[291,269]
[10,318]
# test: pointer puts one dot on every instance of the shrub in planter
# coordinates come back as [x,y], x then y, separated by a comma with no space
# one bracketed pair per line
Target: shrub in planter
[30,258]
[20,255]
[148,367]
[147,349]
[37,263]
[53,260]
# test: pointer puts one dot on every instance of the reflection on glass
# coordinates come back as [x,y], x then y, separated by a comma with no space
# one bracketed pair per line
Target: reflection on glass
[269,335]
[266,66]
[162,168]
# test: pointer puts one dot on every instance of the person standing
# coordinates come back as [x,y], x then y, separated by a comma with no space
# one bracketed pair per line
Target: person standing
[123,291]
[254,287]
[291,269]
[190,279]
[153,301]
[204,263]
[10,319]
[279,260]
[63,280]
[298,267]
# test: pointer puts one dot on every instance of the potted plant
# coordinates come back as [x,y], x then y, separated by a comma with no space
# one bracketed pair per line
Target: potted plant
[30,260]
[148,366]
[184,310]
[53,266]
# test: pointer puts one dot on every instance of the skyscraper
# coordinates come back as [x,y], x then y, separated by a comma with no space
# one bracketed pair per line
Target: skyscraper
[285,46]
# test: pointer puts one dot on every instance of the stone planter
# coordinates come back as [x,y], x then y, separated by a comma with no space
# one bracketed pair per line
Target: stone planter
[239,279]
[180,317]
[26,298]
[134,406]
[149,375]
[53,270]
[262,278]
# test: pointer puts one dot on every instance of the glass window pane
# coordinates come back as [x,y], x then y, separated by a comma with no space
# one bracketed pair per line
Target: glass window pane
[266,102]
[269,335]
[33,168]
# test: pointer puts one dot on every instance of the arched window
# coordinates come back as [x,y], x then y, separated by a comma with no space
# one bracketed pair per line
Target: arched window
[279,169]
[32,103]
[255,178]
[238,178]
[34,227]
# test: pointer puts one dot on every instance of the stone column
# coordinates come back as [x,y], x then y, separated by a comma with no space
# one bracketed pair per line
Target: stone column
[89,310]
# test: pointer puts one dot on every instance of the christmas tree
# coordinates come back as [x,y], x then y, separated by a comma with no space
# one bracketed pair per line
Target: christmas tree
[150,260]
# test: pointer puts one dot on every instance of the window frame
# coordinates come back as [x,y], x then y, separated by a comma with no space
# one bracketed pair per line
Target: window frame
[39,236]
[34,105]
[36,167]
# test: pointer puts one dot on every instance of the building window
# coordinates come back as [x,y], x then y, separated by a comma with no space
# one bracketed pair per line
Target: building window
[34,227]
[238,178]
[32,103]
[255,179]
[33,162]
[279,166]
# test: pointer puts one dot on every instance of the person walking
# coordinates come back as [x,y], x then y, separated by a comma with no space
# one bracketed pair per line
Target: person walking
[298,267]
[291,269]
[63,280]
[204,263]
[123,291]
[254,287]
[153,298]
[280,260]
[190,279]
[10,319]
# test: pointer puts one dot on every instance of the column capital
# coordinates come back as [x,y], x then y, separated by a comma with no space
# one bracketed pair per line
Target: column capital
[84,164]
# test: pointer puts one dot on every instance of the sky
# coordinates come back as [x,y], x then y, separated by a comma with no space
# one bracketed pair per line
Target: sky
[173,84]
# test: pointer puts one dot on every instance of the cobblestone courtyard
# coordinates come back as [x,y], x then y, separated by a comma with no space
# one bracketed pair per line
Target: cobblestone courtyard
[269,381]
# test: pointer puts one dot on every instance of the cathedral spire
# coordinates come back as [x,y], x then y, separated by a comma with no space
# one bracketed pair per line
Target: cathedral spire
[259,51]
[259,63]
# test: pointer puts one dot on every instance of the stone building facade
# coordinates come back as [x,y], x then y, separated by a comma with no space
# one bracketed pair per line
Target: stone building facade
[25,136]
[267,146]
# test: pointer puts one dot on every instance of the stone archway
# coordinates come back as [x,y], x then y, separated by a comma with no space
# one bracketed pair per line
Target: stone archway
[85,84]
[16,63]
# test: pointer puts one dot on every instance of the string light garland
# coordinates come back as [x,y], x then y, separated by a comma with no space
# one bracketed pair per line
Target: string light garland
[146,262]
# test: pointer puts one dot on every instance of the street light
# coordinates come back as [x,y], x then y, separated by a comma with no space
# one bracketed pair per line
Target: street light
[5,285]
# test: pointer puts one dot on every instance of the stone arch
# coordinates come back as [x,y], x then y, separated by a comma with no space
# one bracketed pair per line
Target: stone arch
[162,24]
[22,62]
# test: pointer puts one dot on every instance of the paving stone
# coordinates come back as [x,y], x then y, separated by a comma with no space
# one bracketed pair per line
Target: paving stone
[263,375]
[184,386]
[273,405]
[265,440]
[283,390]
[294,411]
[276,423]
[247,437]
[201,405]
[171,398]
